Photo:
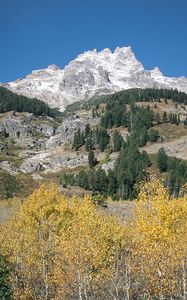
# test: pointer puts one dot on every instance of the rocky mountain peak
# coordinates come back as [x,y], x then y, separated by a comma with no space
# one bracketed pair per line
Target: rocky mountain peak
[53,67]
[156,72]
[92,73]
[125,50]
[105,52]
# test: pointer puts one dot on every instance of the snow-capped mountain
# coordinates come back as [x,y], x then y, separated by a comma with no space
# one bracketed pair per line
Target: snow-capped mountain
[92,73]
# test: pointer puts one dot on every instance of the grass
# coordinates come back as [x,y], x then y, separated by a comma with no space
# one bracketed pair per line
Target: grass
[11,157]
[170,132]
[44,120]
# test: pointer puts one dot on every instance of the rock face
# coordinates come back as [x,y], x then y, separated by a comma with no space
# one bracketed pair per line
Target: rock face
[33,145]
[92,73]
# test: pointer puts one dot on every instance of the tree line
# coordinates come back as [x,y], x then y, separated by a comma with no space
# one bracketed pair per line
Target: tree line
[141,95]
[120,183]
[91,138]
[137,120]
[10,101]
[130,168]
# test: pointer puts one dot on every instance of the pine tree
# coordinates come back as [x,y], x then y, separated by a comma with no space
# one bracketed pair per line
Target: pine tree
[157,119]
[91,158]
[170,118]
[87,130]
[118,140]
[103,139]
[89,143]
[153,135]
[162,160]
[78,140]
[164,117]
[112,184]
[143,137]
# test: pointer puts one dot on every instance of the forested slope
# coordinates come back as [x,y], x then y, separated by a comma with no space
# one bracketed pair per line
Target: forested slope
[10,101]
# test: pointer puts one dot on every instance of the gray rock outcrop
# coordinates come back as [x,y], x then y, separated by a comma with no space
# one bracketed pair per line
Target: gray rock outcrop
[92,73]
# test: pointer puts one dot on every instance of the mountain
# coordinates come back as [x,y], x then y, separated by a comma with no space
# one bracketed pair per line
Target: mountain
[92,73]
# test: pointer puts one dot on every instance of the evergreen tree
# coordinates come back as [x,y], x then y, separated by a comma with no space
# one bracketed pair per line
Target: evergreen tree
[103,139]
[162,160]
[157,119]
[153,135]
[164,117]
[142,137]
[91,158]
[175,119]
[129,170]
[118,140]
[78,140]
[87,130]
[89,144]
[112,184]
[145,158]
[170,118]
[75,144]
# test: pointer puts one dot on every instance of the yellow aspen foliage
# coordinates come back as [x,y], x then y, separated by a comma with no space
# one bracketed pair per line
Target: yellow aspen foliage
[60,248]
[29,241]
[89,245]
[64,249]
[159,241]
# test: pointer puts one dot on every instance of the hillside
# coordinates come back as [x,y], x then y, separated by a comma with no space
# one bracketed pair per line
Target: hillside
[103,150]
[96,139]
[12,101]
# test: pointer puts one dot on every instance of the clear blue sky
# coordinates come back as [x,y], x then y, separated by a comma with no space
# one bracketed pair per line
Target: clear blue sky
[36,33]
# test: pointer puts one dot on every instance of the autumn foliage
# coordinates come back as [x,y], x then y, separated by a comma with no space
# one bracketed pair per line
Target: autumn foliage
[69,249]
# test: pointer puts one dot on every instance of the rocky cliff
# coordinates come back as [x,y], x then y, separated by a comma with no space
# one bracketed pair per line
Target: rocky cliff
[92,73]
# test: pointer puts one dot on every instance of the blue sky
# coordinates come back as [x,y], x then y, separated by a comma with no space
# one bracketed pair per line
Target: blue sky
[36,33]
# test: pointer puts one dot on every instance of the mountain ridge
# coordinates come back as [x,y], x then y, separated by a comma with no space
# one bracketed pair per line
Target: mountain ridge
[92,73]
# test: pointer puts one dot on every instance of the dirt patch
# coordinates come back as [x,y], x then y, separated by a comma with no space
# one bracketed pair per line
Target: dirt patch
[171,132]
[177,148]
